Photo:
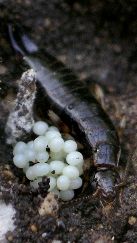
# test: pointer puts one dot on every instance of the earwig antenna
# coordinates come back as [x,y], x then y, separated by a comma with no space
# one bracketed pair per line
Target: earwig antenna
[14,43]
[27,45]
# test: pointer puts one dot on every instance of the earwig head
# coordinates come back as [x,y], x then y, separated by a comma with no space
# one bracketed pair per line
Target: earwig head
[106,181]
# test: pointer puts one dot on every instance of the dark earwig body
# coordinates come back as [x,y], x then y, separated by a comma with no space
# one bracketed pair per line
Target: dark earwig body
[71,100]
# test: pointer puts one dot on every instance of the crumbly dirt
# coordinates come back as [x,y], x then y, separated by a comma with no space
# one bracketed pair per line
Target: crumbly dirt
[97,39]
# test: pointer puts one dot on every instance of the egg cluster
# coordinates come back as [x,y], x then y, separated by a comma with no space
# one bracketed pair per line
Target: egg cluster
[54,157]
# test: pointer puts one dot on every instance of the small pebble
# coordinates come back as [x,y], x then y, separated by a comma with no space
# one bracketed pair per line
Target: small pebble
[33,228]
[132,220]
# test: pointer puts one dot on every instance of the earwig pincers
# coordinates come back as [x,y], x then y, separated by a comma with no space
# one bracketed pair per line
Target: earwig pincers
[72,102]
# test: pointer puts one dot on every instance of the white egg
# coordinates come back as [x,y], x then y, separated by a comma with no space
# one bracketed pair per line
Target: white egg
[64,176]
[66,195]
[20,160]
[42,156]
[30,145]
[52,134]
[52,183]
[30,173]
[40,143]
[40,128]
[52,128]
[63,182]
[56,192]
[80,168]
[75,183]
[74,158]
[70,146]
[41,169]
[58,156]
[56,144]
[57,166]
[30,154]
[25,168]
[19,147]
[71,171]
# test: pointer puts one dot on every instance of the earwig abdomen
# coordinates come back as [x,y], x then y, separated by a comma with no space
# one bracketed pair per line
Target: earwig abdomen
[72,101]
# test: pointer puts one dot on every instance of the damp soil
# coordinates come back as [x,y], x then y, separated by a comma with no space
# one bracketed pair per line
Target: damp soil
[97,39]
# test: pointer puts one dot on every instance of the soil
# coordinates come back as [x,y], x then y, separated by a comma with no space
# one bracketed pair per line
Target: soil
[97,39]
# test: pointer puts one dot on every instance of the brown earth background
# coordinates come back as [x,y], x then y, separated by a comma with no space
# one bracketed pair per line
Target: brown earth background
[97,39]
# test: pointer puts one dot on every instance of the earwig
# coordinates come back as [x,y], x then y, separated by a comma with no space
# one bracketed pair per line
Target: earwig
[72,102]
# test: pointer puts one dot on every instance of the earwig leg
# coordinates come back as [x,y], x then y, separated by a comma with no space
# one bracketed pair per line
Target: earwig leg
[121,184]
[124,182]
[96,193]
[128,165]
